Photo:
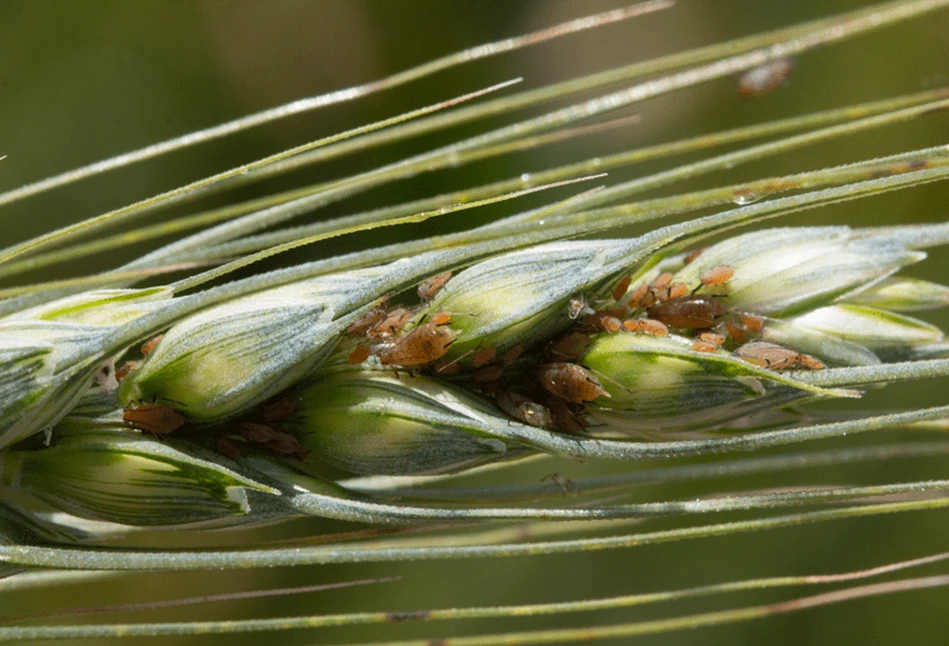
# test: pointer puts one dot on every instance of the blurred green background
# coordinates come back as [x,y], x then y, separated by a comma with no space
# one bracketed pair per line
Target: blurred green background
[84,81]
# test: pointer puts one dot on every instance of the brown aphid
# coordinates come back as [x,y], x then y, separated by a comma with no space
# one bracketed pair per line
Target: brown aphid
[392,324]
[637,296]
[570,382]
[524,409]
[662,281]
[737,333]
[483,357]
[440,318]
[620,290]
[566,417]
[122,371]
[286,444]
[571,346]
[703,346]
[369,320]
[422,345]
[431,286]
[694,311]
[717,276]
[601,321]
[751,321]
[692,255]
[157,419]
[776,357]
[359,354]
[487,374]
[653,327]
[512,354]
[764,78]
[713,338]
[809,362]
[677,290]
[277,410]
[255,432]
[227,447]
[150,345]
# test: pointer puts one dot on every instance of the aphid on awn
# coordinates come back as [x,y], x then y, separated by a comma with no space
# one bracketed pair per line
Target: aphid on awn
[764,78]
[418,347]
[570,382]
[156,419]
[695,311]
[565,484]
[431,286]
[776,357]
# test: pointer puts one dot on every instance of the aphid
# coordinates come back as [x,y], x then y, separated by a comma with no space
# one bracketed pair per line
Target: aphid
[150,345]
[703,346]
[712,337]
[620,290]
[359,354]
[566,484]
[122,371]
[569,347]
[692,255]
[431,286]
[369,320]
[157,419]
[487,374]
[577,308]
[601,321]
[422,345]
[776,357]
[646,326]
[570,382]
[523,409]
[277,410]
[566,417]
[512,354]
[764,78]
[689,312]
[483,357]
[227,447]
[717,276]
[392,324]
[636,298]
[677,290]
[752,322]
[286,444]
[440,318]
[254,432]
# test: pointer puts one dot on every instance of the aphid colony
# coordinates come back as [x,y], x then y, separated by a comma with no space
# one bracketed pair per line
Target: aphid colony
[548,387]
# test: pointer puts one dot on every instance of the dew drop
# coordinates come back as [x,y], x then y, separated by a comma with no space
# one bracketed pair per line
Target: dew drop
[526,178]
[746,198]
